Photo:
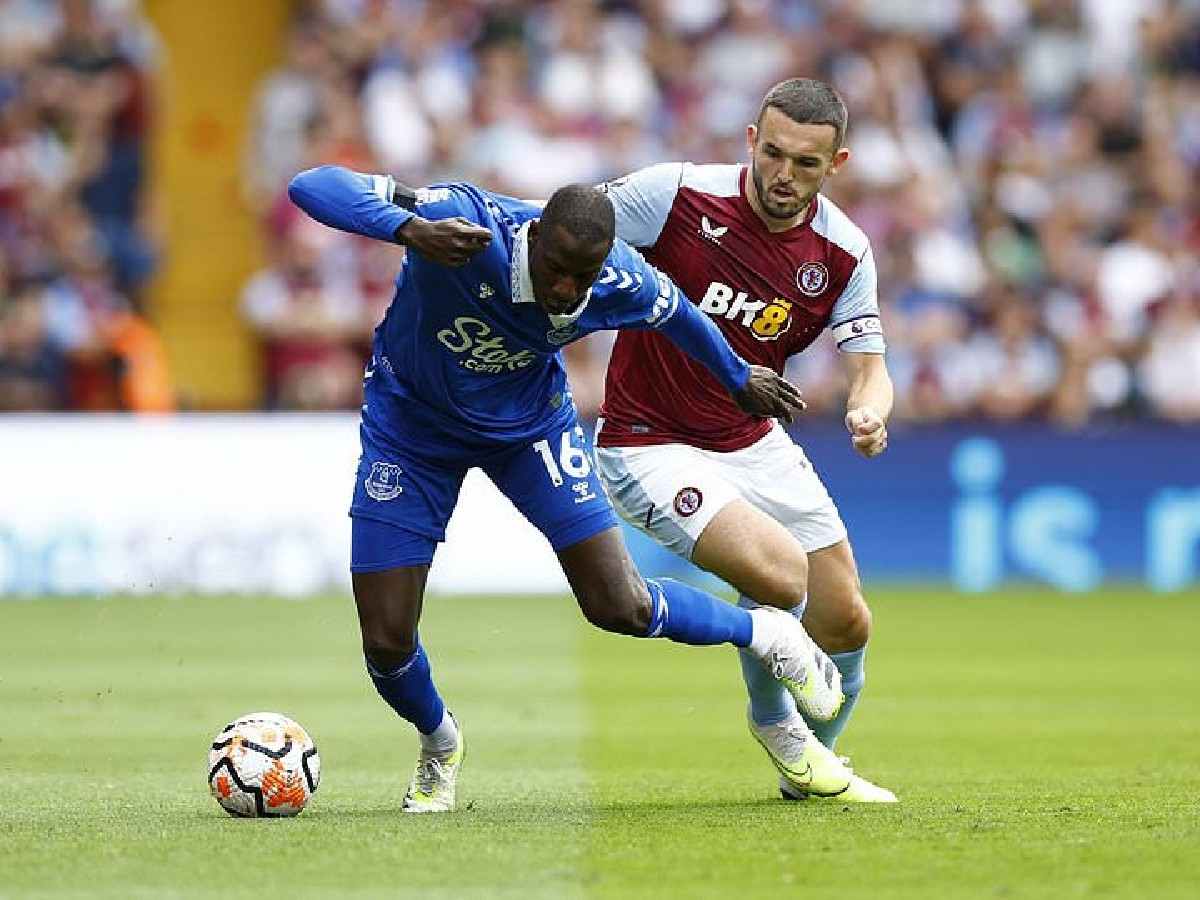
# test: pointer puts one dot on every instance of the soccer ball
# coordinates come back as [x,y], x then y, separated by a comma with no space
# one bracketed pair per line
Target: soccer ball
[263,764]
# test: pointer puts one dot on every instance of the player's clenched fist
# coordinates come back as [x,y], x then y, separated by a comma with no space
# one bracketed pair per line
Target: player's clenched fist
[868,433]
[768,395]
[448,242]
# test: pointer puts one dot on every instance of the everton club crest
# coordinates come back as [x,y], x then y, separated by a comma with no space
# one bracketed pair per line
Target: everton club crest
[384,481]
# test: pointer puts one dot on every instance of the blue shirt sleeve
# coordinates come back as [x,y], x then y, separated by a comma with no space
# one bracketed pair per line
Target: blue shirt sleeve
[350,201]
[644,297]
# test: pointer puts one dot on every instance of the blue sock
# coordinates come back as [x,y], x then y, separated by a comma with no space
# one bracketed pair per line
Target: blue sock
[770,702]
[686,615]
[854,676]
[409,690]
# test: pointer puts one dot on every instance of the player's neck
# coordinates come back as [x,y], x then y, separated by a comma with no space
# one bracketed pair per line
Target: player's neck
[772,224]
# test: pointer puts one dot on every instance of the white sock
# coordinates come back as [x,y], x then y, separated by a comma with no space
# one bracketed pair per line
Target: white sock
[764,630]
[442,739]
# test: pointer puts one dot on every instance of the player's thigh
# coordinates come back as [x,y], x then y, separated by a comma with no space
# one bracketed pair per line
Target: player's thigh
[755,554]
[776,476]
[553,483]
[669,491]
[837,616]
[690,502]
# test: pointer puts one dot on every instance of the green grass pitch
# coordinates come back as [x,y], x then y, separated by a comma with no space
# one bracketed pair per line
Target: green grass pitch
[1043,746]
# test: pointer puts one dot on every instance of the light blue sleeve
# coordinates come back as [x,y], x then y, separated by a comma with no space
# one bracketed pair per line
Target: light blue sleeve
[855,322]
[642,201]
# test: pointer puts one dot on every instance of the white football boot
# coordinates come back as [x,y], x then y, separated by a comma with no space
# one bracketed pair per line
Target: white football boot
[788,653]
[434,779]
[805,765]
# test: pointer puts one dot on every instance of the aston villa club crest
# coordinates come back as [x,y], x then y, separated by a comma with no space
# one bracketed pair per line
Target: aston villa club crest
[688,501]
[384,481]
[812,278]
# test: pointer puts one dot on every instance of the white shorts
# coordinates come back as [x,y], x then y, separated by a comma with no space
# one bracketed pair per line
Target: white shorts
[672,491]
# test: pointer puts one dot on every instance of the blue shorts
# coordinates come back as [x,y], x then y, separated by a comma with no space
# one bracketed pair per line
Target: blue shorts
[403,497]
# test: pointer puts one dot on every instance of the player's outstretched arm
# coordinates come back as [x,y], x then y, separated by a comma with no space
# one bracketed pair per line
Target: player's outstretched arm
[869,403]
[370,205]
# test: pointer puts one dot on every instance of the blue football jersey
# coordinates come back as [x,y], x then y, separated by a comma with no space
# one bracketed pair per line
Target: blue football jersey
[469,348]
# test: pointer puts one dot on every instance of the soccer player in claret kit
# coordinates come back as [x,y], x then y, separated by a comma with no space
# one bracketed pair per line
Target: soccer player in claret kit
[466,372]
[773,263]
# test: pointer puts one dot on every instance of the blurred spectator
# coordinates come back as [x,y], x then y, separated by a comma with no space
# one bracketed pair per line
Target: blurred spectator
[94,80]
[311,321]
[117,361]
[1170,372]
[76,89]
[931,366]
[288,103]
[1017,367]
[1027,170]
[32,369]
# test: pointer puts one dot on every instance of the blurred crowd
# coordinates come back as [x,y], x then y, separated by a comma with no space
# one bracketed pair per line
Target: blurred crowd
[1028,172]
[76,245]
[1026,169]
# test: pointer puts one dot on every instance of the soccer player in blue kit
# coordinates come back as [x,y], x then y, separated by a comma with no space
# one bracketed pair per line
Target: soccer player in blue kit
[466,373]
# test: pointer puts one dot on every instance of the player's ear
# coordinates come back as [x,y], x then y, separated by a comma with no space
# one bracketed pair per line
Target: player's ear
[751,137]
[839,159]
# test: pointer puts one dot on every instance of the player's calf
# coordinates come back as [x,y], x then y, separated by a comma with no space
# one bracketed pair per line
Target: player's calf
[622,608]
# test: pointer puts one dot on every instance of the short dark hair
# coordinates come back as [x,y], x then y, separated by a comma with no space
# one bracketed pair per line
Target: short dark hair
[583,212]
[808,100]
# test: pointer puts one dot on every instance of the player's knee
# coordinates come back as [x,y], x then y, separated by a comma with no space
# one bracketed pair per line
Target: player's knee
[854,629]
[783,584]
[622,608]
[388,648]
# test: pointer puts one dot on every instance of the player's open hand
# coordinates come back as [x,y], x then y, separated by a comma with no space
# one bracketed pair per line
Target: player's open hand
[769,395]
[448,242]
[867,430]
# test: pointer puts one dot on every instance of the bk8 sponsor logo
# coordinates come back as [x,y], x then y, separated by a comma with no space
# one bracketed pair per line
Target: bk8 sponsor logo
[766,321]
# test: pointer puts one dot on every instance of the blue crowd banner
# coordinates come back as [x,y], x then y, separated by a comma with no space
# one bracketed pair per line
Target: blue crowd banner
[981,505]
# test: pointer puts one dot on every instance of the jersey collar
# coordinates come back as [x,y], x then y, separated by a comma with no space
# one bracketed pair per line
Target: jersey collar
[522,281]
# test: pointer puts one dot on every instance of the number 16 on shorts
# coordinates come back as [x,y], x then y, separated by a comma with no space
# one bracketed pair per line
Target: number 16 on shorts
[571,460]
